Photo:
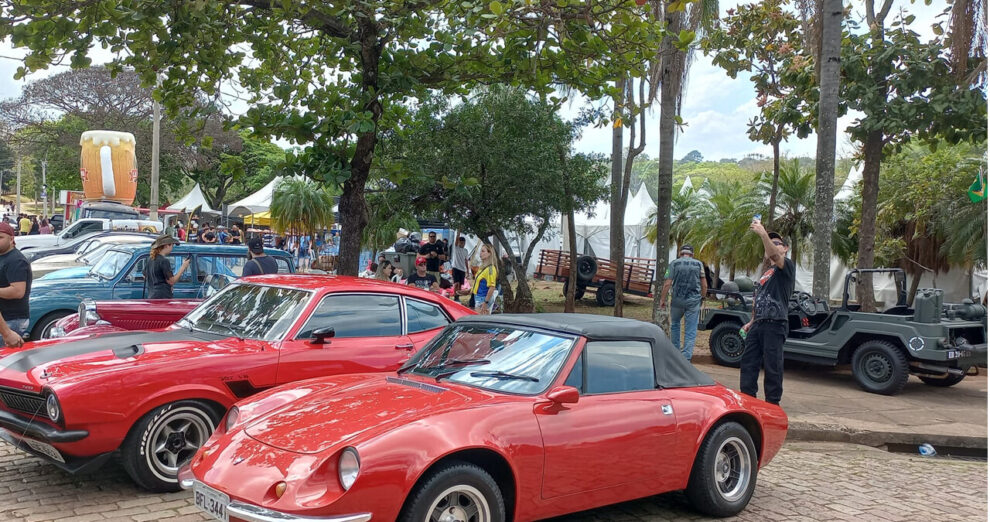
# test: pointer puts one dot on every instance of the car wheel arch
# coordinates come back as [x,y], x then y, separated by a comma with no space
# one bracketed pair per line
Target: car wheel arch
[718,318]
[849,347]
[744,419]
[493,462]
[209,397]
[41,322]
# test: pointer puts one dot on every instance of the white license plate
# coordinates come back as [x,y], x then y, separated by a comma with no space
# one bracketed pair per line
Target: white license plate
[211,501]
[45,449]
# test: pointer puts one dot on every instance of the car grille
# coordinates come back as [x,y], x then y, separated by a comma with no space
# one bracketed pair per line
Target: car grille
[26,402]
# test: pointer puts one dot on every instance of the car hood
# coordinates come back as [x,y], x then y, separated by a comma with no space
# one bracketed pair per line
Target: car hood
[48,363]
[333,412]
[76,272]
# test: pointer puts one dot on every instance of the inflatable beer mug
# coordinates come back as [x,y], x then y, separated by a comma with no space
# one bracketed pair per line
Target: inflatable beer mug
[108,167]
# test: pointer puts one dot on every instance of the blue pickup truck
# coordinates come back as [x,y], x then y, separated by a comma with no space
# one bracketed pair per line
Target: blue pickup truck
[120,275]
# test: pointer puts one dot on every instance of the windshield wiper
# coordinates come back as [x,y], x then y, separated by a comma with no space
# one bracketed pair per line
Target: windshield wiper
[230,330]
[503,375]
[456,362]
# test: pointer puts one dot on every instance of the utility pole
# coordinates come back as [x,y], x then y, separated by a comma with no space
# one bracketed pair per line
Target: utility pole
[44,187]
[18,209]
[155,128]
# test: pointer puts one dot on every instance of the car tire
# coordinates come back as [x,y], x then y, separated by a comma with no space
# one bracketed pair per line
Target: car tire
[176,430]
[724,474]
[880,367]
[45,324]
[605,295]
[587,267]
[943,382]
[578,290]
[726,344]
[456,485]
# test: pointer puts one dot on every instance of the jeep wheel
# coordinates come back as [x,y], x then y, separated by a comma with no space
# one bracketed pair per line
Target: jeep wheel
[880,367]
[943,382]
[726,344]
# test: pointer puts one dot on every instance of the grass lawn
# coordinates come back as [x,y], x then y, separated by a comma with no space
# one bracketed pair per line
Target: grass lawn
[549,297]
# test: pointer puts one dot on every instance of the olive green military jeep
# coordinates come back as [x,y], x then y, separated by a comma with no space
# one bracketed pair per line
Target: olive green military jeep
[938,343]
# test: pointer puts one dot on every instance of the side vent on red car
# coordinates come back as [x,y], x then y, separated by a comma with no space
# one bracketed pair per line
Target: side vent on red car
[242,389]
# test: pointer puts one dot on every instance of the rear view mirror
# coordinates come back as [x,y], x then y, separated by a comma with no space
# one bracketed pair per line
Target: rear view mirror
[564,395]
[321,335]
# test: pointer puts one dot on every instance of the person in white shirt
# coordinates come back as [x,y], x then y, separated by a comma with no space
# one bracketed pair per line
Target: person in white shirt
[458,263]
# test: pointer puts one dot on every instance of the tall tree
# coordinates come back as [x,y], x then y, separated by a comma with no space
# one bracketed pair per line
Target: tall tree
[301,206]
[336,75]
[669,72]
[491,166]
[628,110]
[763,39]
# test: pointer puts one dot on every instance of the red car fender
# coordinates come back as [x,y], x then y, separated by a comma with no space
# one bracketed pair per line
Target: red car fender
[508,430]
[95,329]
[182,392]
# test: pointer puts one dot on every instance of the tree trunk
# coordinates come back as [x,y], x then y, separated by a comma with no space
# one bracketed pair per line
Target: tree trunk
[352,206]
[773,187]
[572,273]
[915,282]
[872,156]
[520,301]
[616,240]
[665,181]
[828,112]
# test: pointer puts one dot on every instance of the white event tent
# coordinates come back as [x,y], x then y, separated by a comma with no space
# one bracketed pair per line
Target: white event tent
[191,200]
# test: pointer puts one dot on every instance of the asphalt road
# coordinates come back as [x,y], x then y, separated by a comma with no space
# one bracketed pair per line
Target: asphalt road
[806,481]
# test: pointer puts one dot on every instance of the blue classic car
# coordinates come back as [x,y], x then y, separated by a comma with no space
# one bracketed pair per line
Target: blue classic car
[120,275]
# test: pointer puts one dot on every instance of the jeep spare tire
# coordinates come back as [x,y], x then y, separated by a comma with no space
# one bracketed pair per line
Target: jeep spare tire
[726,344]
[745,284]
[587,267]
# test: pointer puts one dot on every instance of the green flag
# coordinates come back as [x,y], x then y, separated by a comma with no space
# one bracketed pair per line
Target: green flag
[978,190]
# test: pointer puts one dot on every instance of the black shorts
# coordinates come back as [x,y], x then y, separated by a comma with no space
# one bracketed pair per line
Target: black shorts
[458,276]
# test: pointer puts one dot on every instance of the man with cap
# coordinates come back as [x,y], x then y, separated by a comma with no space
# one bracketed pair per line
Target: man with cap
[258,262]
[767,331]
[435,254]
[158,274]
[15,289]
[686,275]
[421,278]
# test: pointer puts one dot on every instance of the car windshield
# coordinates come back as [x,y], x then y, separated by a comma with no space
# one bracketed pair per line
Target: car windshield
[110,264]
[249,311]
[94,255]
[504,359]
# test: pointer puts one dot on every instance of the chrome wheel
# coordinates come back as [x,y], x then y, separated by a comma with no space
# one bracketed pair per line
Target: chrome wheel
[732,469]
[460,503]
[174,439]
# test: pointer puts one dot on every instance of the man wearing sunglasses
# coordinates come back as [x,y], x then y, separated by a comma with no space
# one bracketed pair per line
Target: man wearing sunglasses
[767,331]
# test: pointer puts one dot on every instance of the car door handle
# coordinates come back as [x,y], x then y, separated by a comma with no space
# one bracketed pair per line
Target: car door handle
[405,346]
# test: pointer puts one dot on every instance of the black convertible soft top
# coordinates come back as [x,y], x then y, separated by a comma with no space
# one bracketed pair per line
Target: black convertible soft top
[671,368]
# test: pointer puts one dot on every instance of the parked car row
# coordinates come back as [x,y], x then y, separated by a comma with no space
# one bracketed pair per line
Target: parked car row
[284,397]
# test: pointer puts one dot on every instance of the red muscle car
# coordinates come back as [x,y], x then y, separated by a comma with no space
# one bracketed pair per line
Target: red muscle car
[499,418]
[155,397]
[96,317]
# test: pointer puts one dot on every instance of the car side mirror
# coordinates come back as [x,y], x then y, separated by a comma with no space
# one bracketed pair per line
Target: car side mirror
[564,395]
[320,335]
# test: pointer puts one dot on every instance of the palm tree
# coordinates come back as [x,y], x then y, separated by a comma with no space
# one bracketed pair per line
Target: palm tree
[968,40]
[669,71]
[795,204]
[300,205]
[719,230]
[683,210]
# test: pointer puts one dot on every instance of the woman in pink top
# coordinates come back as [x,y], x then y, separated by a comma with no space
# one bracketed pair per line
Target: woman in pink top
[45,228]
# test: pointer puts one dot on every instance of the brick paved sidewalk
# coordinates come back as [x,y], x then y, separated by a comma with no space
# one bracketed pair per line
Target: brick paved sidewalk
[806,481]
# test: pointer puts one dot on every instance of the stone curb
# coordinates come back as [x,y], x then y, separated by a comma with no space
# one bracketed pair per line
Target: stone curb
[814,432]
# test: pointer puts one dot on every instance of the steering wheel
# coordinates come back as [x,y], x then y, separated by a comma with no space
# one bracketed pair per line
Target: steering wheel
[806,303]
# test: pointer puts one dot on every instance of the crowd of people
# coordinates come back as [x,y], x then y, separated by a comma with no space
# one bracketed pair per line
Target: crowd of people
[28,225]
[444,269]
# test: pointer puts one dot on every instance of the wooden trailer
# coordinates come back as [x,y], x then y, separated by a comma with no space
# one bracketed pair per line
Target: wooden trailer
[598,273]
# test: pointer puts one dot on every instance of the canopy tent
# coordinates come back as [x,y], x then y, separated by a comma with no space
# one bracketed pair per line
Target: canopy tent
[263,219]
[192,200]
[260,201]
[593,228]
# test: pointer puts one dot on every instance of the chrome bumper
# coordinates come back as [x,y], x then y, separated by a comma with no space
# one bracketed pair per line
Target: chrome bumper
[252,513]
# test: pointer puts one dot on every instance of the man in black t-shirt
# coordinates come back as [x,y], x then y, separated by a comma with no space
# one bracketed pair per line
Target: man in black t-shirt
[421,279]
[15,288]
[258,263]
[767,331]
[435,253]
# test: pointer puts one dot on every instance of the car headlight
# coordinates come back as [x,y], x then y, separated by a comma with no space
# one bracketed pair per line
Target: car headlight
[348,467]
[231,419]
[54,411]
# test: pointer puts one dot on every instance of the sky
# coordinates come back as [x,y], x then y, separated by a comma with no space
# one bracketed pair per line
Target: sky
[715,107]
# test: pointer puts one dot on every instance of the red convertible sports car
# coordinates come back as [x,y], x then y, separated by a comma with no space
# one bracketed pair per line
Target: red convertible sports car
[513,417]
[155,397]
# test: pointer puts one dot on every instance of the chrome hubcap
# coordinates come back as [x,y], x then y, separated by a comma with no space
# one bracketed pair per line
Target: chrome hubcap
[460,504]
[732,469]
